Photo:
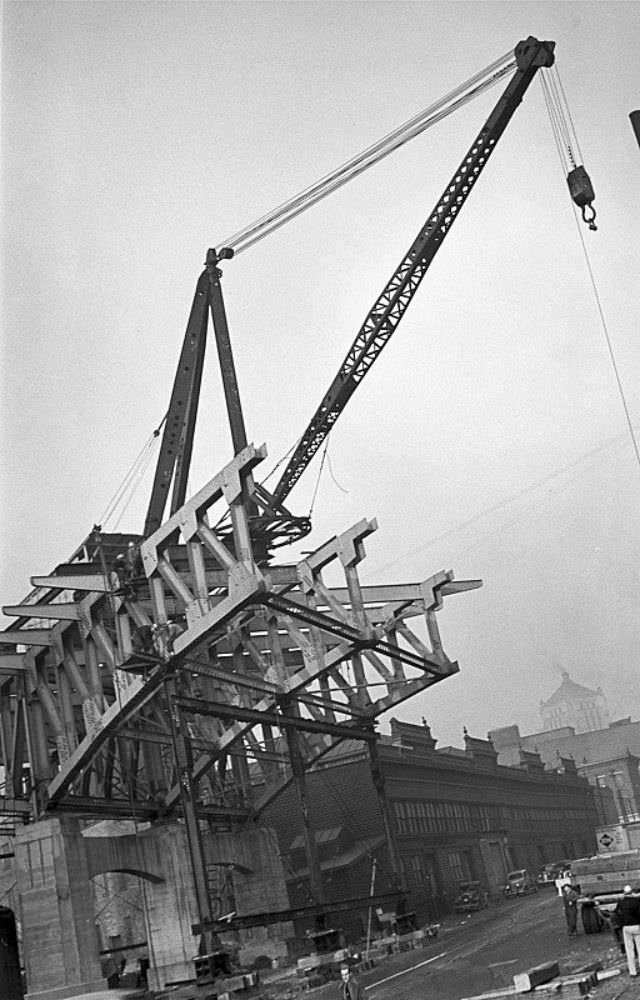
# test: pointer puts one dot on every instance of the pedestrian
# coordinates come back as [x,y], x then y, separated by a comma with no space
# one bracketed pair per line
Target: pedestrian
[570,901]
[627,916]
[351,988]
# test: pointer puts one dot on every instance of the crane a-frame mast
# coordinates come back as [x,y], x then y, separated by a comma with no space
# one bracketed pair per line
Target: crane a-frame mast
[392,303]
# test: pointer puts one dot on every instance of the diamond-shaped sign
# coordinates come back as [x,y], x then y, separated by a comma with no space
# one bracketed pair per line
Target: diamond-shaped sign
[606,840]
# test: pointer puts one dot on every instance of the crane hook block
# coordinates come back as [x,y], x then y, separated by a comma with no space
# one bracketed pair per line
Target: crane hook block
[581,190]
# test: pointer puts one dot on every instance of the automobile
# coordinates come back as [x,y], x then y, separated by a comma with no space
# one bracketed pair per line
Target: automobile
[519,883]
[547,874]
[471,896]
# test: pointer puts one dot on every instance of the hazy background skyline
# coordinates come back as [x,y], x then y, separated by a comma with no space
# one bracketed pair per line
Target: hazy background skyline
[489,437]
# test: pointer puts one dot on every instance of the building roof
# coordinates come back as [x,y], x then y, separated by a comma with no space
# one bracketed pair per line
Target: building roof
[569,691]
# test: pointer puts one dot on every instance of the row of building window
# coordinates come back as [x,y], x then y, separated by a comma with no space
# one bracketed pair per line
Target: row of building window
[463,817]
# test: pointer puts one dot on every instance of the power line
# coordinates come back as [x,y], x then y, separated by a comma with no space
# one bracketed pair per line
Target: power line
[503,503]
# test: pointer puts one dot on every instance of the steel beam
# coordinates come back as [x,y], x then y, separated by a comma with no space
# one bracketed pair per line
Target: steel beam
[242,921]
[89,582]
[275,718]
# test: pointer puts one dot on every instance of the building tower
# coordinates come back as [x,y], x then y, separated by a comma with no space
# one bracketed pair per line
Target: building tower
[574,705]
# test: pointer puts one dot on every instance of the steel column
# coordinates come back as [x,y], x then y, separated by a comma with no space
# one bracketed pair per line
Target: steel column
[387,820]
[184,766]
[310,845]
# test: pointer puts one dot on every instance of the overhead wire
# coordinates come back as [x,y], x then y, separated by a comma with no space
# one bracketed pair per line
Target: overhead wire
[532,508]
[372,155]
[494,508]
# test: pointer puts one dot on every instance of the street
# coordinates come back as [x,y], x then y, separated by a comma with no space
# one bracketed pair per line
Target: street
[466,958]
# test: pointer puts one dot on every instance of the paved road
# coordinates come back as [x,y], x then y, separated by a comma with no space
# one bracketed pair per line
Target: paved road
[526,932]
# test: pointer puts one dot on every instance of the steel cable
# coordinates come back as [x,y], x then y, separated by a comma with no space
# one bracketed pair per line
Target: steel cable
[353,167]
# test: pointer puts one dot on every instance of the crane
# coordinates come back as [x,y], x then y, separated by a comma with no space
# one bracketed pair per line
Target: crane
[272,523]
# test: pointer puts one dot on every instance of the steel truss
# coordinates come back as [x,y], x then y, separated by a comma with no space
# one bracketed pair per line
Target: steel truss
[253,673]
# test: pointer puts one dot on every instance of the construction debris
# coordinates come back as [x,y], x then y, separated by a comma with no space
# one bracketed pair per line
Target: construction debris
[526,981]
[569,987]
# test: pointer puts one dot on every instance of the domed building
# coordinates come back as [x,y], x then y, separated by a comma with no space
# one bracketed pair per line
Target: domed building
[574,705]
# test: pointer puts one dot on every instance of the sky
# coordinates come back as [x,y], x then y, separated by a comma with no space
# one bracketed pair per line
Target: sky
[489,438]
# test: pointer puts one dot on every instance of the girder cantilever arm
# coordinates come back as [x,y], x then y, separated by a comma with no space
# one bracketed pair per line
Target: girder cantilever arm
[391,305]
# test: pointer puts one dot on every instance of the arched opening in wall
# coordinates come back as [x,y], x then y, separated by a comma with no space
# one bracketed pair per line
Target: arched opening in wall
[11,980]
[122,926]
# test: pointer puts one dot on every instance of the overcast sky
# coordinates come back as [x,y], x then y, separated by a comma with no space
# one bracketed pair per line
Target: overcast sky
[137,135]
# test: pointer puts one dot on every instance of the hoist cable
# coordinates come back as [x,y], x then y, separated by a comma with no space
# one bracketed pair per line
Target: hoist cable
[373,154]
[560,118]
[616,371]
[134,486]
[610,349]
[280,462]
[301,204]
[565,103]
[317,486]
[555,123]
[341,488]
[371,150]
[115,499]
[142,459]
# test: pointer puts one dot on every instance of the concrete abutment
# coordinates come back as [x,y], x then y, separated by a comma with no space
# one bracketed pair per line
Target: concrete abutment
[58,859]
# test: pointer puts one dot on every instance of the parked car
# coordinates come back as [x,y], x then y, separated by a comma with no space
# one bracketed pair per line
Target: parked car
[547,874]
[550,872]
[519,883]
[470,897]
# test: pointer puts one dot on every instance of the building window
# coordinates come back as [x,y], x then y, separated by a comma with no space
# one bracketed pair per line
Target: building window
[457,866]
[416,870]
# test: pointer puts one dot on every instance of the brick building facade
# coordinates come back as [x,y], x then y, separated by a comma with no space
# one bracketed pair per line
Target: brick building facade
[609,758]
[457,815]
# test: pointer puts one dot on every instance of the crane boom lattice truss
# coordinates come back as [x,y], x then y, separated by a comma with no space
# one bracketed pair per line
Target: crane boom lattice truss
[392,303]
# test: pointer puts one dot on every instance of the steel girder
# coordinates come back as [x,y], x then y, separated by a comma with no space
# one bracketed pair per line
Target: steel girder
[102,655]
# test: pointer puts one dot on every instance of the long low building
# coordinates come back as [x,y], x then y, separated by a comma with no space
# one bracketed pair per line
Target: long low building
[457,815]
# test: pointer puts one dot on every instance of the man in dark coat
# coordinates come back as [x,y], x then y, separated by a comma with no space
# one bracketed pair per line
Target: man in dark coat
[351,988]
[627,916]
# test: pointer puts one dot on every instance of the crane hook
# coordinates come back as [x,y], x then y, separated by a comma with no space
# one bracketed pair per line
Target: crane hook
[581,190]
[589,216]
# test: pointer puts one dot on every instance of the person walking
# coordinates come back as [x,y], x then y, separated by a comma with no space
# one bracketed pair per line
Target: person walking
[627,916]
[351,988]
[570,901]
